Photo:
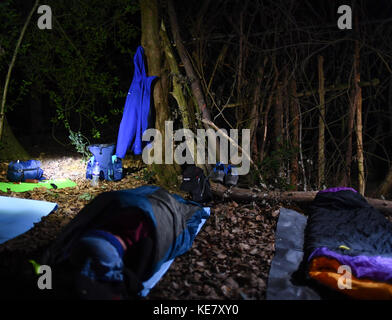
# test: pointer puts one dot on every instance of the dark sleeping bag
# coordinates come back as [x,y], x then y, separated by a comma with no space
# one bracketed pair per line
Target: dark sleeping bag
[347,238]
[175,223]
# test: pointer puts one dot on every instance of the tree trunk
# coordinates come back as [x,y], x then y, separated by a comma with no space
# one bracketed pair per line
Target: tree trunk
[351,115]
[11,66]
[321,138]
[195,82]
[239,112]
[191,74]
[278,118]
[390,107]
[265,122]
[285,109]
[178,92]
[358,106]
[175,72]
[254,114]
[386,185]
[278,112]
[294,113]
[166,174]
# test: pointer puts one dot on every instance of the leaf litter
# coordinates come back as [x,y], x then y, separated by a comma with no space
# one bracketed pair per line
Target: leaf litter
[230,258]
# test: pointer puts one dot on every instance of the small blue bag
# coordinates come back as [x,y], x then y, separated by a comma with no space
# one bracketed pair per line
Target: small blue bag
[20,171]
[110,166]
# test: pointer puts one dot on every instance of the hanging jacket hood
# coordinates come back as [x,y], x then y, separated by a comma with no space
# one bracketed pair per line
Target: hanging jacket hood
[136,113]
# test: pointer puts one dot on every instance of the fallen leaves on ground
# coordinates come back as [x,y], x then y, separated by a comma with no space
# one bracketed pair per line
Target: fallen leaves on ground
[70,201]
[229,259]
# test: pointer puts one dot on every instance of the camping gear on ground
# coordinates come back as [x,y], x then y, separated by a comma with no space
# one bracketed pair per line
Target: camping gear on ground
[19,171]
[175,223]
[110,166]
[227,175]
[218,173]
[231,176]
[196,183]
[345,235]
[137,113]
[289,239]
[95,174]
[19,215]
[25,186]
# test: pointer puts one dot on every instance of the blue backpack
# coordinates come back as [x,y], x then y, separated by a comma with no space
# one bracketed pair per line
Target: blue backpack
[20,171]
[110,166]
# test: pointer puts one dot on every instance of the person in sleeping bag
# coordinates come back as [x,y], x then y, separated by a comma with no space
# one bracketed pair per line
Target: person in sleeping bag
[120,240]
[100,255]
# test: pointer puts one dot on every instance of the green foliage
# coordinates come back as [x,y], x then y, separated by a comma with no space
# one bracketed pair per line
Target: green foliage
[10,27]
[52,194]
[11,23]
[146,175]
[36,266]
[96,133]
[80,143]
[86,196]
[83,65]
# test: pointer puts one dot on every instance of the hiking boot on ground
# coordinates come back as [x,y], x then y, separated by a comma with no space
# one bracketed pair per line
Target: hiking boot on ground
[218,173]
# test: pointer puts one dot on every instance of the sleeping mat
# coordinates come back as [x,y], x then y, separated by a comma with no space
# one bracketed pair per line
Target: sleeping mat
[19,215]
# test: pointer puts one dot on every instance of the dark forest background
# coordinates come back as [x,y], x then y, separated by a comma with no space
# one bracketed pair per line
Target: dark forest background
[317,99]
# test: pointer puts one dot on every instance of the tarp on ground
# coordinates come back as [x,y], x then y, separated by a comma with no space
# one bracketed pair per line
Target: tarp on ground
[19,215]
[289,240]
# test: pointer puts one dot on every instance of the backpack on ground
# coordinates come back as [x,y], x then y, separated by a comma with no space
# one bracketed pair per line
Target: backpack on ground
[196,183]
[110,166]
[20,171]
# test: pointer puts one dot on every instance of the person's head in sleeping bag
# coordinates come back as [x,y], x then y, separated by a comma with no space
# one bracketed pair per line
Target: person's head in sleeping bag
[98,261]
[112,264]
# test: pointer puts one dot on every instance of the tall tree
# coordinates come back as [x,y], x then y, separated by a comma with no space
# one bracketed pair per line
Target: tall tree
[348,158]
[194,79]
[10,146]
[358,127]
[256,106]
[11,66]
[196,87]
[166,174]
[294,115]
[321,138]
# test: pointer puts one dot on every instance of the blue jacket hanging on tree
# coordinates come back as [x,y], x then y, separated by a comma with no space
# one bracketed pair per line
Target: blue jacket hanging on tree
[137,109]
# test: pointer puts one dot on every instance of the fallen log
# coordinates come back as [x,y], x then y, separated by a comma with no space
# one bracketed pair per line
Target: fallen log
[240,194]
